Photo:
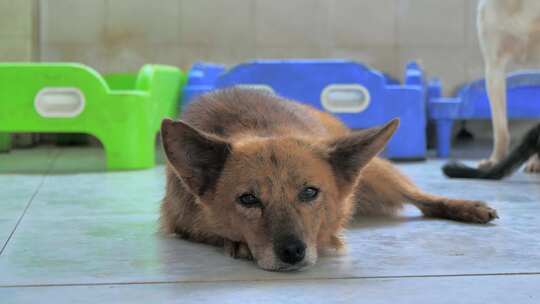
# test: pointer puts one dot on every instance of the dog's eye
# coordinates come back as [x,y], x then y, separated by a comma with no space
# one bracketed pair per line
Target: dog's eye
[249,200]
[308,194]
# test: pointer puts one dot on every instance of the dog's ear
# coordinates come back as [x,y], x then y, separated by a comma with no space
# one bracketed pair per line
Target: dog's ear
[197,158]
[347,155]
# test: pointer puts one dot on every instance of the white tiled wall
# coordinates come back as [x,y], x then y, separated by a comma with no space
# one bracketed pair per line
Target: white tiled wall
[15,49]
[142,22]
[291,24]
[121,35]
[355,24]
[66,22]
[17,33]
[217,23]
[431,23]
[18,41]
[382,58]
[114,35]
[444,62]
[16,18]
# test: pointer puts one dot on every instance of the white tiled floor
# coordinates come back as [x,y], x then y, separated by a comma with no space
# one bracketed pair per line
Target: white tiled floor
[91,238]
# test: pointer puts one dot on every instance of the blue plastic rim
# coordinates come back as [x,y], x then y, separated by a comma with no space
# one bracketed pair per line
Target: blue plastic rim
[472,103]
[307,81]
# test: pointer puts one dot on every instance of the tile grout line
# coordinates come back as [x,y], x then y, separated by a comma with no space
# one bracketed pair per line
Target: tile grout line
[272,280]
[19,220]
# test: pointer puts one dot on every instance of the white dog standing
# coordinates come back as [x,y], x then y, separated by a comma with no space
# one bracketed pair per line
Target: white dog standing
[509,31]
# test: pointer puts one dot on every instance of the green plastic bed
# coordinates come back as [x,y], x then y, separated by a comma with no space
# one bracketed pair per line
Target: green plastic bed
[123,111]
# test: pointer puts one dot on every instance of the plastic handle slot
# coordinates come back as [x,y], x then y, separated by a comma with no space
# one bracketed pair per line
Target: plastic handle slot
[345,98]
[59,102]
[260,87]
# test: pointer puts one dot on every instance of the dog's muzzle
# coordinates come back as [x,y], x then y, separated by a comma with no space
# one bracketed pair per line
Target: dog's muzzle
[290,250]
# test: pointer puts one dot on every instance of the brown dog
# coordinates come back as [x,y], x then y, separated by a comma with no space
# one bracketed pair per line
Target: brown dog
[277,181]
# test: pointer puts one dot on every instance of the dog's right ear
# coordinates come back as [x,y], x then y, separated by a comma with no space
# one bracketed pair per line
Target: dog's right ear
[197,158]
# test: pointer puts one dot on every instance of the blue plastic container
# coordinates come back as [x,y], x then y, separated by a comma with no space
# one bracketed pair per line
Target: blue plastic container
[471,102]
[359,96]
[202,78]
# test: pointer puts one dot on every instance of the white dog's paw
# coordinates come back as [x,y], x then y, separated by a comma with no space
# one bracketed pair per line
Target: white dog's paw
[485,164]
[533,164]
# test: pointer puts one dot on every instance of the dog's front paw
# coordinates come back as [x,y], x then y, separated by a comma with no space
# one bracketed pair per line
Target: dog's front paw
[237,250]
[335,247]
[533,164]
[471,211]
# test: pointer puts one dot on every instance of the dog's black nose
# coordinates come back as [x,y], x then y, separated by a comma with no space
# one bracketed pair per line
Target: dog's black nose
[292,251]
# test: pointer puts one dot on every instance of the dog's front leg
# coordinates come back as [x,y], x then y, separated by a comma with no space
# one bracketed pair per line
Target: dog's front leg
[237,250]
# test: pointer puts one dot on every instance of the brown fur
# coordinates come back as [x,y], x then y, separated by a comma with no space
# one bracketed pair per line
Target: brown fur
[236,141]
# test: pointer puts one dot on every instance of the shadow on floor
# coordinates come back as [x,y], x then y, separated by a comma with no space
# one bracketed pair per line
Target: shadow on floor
[55,160]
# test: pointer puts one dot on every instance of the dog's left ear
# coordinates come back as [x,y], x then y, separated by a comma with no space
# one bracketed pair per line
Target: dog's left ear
[348,155]
[197,157]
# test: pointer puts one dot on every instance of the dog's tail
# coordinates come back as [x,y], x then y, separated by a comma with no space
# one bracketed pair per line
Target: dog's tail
[529,145]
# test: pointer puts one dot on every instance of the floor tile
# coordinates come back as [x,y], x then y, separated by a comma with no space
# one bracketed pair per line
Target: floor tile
[15,194]
[451,290]
[101,228]
[519,190]
[99,249]
[16,190]
[79,160]
[94,234]
[27,161]
[104,193]
[75,160]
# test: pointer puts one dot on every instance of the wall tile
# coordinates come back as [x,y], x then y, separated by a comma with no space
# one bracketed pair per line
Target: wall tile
[119,35]
[16,18]
[446,63]
[72,21]
[93,56]
[362,23]
[181,56]
[266,52]
[217,23]
[232,55]
[380,58]
[431,22]
[471,31]
[16,49]
[129,57]
[293,23]
[142,21]
[474,63]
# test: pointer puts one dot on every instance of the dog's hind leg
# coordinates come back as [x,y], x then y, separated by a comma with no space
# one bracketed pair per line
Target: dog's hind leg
[453,209]
[496,87]
[498,47]
[383,189]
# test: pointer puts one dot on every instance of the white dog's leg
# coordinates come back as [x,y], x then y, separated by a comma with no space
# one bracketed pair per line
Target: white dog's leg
[496,87]
[497,48]
[505,29]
